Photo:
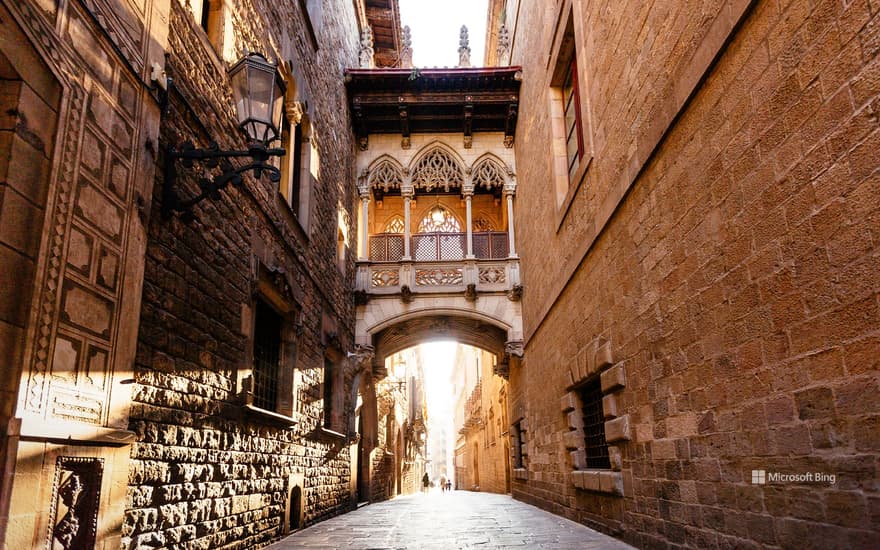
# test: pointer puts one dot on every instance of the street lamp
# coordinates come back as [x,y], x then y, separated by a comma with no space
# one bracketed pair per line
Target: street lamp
[258,93]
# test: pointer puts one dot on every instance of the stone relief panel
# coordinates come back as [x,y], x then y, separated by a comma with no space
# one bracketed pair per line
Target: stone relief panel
[76,495]
[91,204]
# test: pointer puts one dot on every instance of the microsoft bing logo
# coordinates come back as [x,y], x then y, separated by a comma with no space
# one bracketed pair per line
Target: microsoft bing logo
[759,477]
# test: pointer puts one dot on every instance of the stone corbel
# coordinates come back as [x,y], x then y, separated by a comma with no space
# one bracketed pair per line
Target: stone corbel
[363,356]
[515,293]
[514,348]
[468,122]
[510,122]
[403,112]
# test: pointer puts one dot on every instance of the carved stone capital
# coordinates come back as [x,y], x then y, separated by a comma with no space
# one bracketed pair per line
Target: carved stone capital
[294,110]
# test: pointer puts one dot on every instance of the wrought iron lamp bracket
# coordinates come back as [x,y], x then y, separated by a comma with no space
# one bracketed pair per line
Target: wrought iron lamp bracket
[213,157]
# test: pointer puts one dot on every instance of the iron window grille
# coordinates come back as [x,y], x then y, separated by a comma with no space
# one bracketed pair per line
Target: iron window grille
[518,446]
[594,425]
[267,356]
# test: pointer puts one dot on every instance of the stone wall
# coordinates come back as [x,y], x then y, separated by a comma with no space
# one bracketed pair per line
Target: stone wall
[718,259]
[77,137]
[206,471]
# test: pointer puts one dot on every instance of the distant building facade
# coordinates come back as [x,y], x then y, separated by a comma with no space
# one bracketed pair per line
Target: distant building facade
[482,448]
[698,256]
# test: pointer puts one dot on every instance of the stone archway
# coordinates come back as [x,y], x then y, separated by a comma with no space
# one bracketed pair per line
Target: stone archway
[492,323]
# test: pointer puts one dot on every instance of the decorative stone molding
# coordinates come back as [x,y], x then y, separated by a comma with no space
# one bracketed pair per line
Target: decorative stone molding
[596,358]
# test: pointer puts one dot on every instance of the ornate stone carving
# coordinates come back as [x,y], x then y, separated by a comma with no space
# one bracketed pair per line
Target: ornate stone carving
[489,174]
[515,293]
[502,368]
[363,355]
[503,46]
[439,277]
[437,168]
[76,495]
[492,275]
[366,54]
[406,53]
[361,297]
[385,175]
[514,348]
[464,50]
[384,277]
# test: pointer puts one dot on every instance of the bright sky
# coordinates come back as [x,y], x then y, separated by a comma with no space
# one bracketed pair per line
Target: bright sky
[437,365]
[435,30]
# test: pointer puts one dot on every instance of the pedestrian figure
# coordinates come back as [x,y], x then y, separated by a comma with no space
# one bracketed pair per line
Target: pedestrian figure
[425,482]
[448,485]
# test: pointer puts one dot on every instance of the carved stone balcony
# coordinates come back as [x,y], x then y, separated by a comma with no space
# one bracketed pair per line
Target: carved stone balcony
[389,278]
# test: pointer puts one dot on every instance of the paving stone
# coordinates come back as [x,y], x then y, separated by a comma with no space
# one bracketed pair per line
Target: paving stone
[446,521]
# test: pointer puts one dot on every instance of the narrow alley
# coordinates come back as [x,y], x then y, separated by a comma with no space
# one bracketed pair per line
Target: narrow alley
[608,272]
[451,520]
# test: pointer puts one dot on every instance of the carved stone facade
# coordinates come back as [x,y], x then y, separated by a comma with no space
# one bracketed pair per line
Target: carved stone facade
[699,266]
[129,339]
[79,131]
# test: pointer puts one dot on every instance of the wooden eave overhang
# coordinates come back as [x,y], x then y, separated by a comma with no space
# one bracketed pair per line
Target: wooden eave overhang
[406,101]
[383,17]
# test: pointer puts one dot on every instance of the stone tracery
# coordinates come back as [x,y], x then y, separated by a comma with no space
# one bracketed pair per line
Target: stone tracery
[436,169]
[385,175]
[488,173]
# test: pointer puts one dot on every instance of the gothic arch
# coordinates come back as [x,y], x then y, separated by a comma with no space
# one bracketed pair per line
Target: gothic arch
[489,172]
[437,166]
[385,173]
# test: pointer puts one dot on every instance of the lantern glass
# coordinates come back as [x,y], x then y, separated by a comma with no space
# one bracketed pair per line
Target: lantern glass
[259,95]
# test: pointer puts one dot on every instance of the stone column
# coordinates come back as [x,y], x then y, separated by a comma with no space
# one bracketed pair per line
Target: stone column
[407,233]
[365,226]
[512,248]
[406,189]
[468,196]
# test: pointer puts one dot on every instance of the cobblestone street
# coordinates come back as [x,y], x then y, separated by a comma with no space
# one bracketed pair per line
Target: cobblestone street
[447,521]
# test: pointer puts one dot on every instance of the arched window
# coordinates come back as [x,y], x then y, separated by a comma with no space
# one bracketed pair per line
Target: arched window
[439,220]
